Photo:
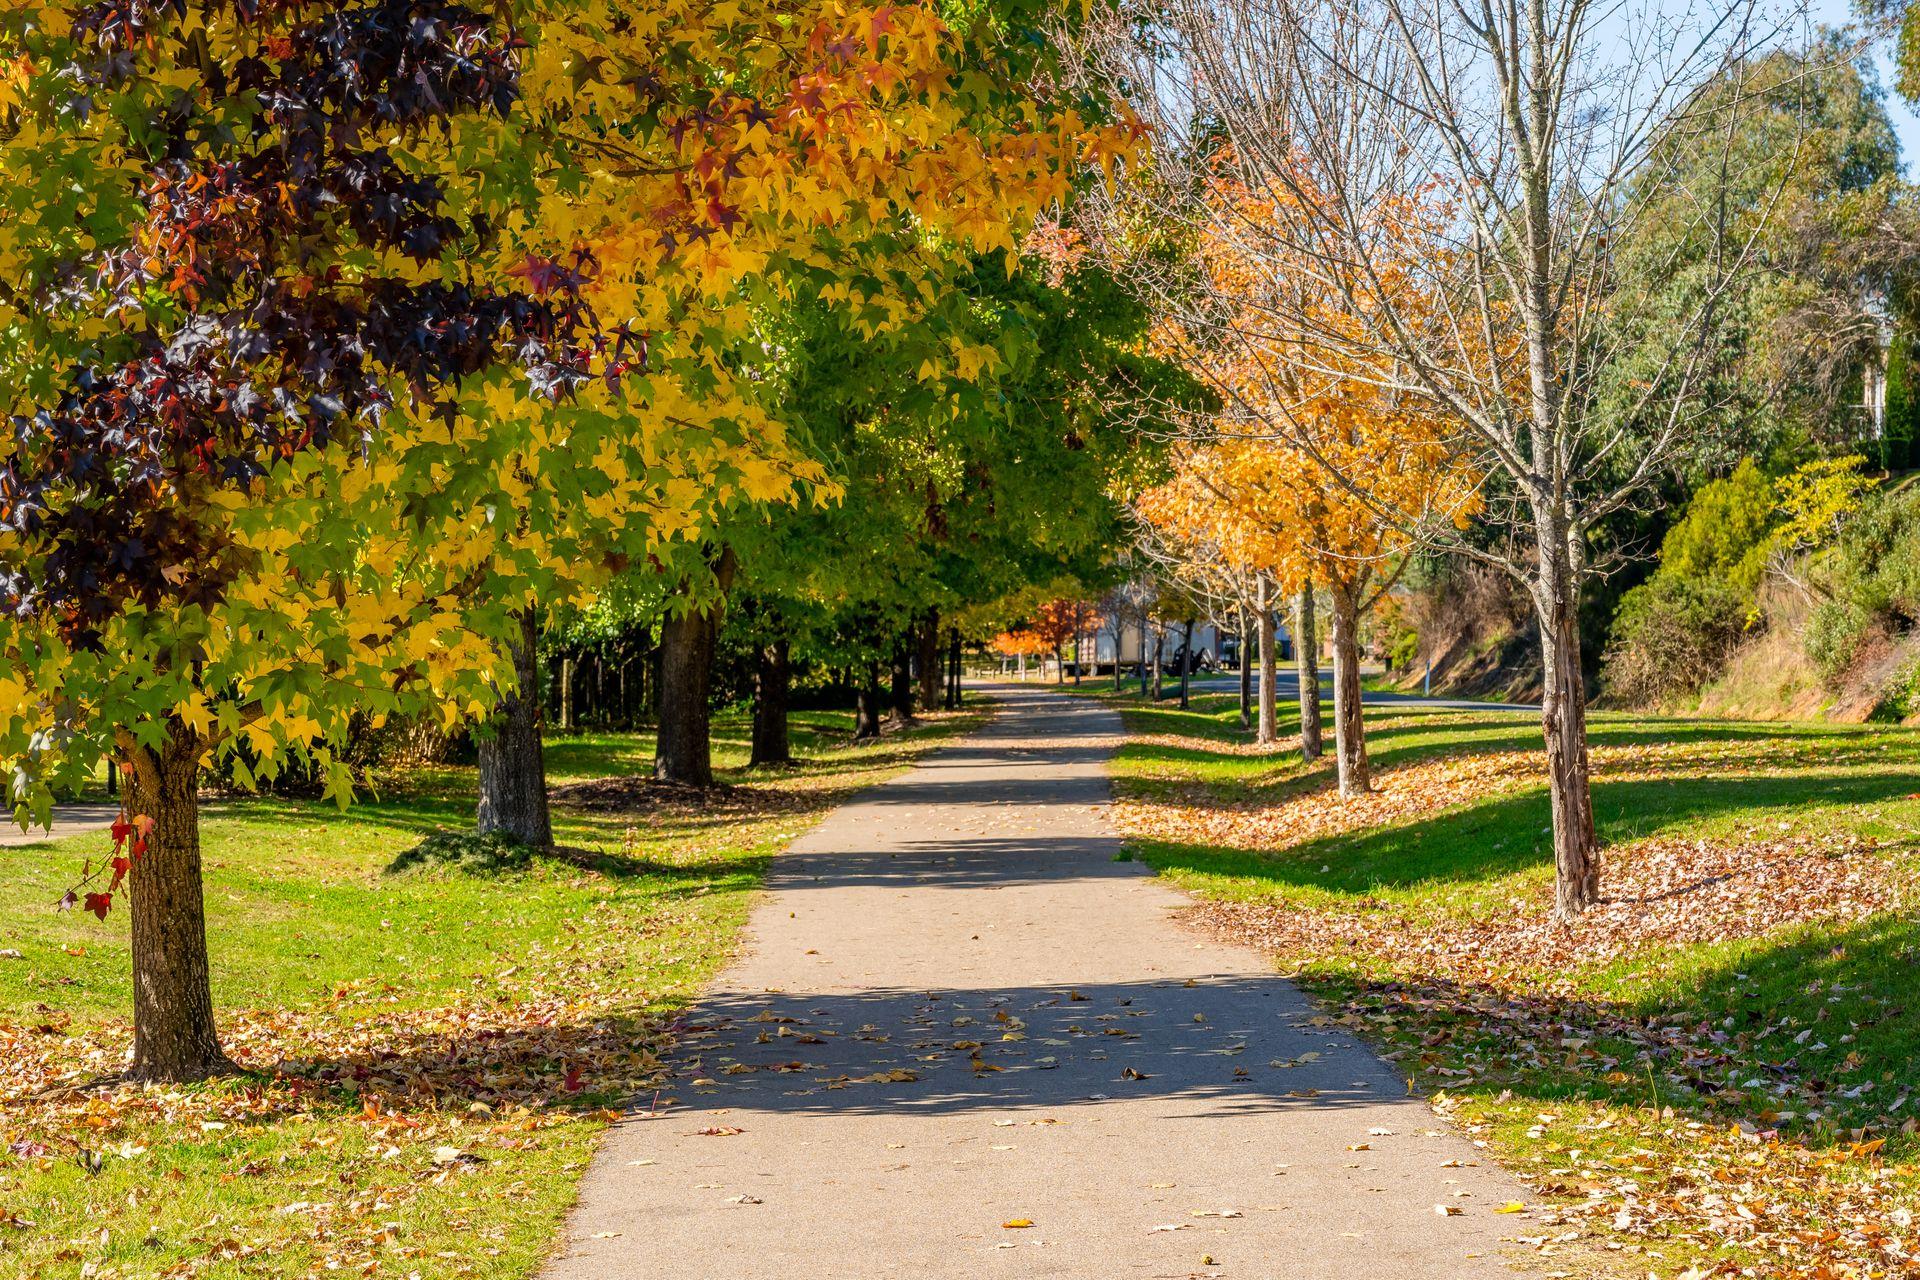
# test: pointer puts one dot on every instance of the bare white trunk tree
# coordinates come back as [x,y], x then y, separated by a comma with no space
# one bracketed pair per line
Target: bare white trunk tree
[1438,187]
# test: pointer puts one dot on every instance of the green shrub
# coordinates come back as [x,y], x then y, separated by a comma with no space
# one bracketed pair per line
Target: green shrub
[1671,636]
[1869,581]
[1834,635]
[1724,532]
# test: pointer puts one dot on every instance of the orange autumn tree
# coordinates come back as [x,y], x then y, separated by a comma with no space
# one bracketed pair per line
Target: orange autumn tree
[1321,469]
[1057,622]
[1021,643]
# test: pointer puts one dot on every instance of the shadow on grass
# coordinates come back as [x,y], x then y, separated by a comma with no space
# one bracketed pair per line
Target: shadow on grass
[1499,837]
[1812,1032]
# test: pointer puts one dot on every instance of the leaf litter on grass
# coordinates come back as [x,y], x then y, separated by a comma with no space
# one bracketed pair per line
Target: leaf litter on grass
[1707,1148]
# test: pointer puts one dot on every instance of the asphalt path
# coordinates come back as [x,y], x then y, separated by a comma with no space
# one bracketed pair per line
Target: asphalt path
[68,820]
[963,1041]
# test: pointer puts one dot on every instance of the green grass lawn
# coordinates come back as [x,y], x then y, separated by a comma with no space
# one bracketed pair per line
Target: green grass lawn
[429,1054]
[1700,1071]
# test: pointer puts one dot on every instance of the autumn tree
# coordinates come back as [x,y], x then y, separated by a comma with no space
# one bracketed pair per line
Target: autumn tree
[1058,621]
[252,504]
[343,336]
[768,159]
[1489,156]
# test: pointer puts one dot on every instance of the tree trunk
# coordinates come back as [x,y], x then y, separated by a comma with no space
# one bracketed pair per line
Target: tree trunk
[1186,665]
[772,684]
[1159,658]
[1246,674]
[683,747]
[1349,728]
[1563,717]
[930,667]
[174,1038]
[1119,635]
[513,768]
[866,706]
[900,695]
[566,693]
[1306,660]
[953,670]
[1145,665]
[1267,731]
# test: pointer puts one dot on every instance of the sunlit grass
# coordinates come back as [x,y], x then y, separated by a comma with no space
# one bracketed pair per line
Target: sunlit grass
[279,1171]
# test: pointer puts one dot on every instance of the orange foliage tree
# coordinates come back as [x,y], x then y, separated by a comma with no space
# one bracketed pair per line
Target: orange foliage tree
[1321,468]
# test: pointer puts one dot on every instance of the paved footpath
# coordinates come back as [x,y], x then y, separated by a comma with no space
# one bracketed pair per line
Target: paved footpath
[68,820]
[956,1011]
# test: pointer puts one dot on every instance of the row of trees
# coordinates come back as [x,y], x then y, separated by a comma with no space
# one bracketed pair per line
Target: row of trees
[348,345]
[1485,282]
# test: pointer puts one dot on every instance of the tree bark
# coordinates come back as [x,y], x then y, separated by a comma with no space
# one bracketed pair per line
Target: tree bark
[772,687]
[683,747]
[1246,673]
[513,768]
[1306,661]
[1145,665]
[953,669]
[1159,657]
[900,694]
[1186,665]
[1563,717]
[566,693]
[1267,731]
[930,665]
[174,1037]
[866,706]
[1349,728]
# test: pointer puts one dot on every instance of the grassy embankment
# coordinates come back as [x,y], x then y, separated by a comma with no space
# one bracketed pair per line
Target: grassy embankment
[1712,1070]
[429,1054]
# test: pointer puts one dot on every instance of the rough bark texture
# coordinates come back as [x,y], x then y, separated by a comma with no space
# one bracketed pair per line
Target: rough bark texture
[900,693]
[1267,730]
[1563,717]
[513,769]
[1246,674]
[953,671]
[772,684]
[174,1038]
[1306,657]
[866,707]
[683,751]
[1349,729]
[1186,665]
[930,669]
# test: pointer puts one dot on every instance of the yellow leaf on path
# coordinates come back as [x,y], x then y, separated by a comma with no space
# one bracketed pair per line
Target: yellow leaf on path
[1013,1224]
[1511,1206]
